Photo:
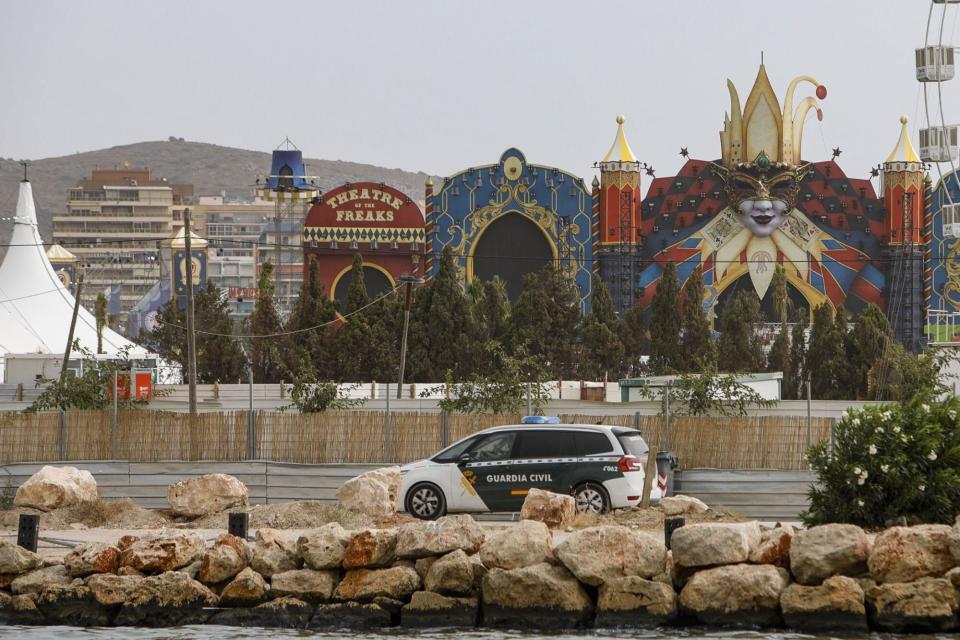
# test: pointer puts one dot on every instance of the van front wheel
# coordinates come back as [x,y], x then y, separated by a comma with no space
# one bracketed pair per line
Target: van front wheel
[426,501]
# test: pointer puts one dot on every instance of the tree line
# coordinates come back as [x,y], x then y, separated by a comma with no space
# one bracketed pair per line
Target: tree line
[474,333]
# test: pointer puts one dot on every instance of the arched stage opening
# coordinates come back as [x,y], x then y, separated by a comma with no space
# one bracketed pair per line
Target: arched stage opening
[511,247]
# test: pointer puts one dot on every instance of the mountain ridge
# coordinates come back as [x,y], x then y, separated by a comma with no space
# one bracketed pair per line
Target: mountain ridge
[210,167]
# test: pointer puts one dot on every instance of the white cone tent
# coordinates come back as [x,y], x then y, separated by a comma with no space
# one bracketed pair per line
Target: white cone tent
[35,307]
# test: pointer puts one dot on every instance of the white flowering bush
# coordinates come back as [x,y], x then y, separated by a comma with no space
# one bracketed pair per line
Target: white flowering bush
[899,460]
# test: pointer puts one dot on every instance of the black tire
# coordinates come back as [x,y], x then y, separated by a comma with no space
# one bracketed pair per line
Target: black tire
[425,501]
[591,498]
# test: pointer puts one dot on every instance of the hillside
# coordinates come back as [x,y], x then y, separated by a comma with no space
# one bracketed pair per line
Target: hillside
[210,167]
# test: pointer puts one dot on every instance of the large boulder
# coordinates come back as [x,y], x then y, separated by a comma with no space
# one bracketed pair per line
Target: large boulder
[428,609]
[15,560]
[167,600]
[283,613]
[633,601]
[73,605]
[20,610]
[555,510]
[93,557]
[903,554]
[110,590]
[598,554]
[526,543]
[681,505]
[373,493]
[324,548]
[828,550]
[714,543]
[350,615]
[835,605]
[309,585]
[36,580]
[954,540]
[55,487]
[166,551]
[366,584]
[228,556]
[541,596]
[925,605]
[446,534]
[774,547]
[452,575]
[370,548]
[274,551]
[246,589]
[203,495]
[739,595]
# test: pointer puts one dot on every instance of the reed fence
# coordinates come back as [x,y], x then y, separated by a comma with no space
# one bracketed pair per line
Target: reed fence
[751,442]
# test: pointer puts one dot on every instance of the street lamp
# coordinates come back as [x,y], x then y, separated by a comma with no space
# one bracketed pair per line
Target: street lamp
[409,282]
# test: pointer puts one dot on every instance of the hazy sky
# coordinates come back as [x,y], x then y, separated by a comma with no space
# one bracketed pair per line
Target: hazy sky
[441,86]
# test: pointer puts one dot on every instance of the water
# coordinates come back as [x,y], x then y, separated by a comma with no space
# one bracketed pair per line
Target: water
[210,632]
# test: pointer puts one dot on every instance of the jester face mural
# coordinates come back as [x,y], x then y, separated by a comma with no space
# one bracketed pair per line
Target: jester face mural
[760,207]
[762,192]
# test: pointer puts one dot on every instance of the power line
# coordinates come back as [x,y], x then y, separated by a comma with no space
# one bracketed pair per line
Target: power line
[376,300]
[436,254]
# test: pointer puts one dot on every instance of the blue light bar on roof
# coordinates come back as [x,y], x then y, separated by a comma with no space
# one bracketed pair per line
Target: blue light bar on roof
[540,420]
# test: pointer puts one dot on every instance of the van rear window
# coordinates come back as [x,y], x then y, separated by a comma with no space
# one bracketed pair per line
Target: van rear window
[633,444]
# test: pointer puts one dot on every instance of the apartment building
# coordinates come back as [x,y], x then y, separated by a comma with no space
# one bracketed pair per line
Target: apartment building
[114,223]
[233,230]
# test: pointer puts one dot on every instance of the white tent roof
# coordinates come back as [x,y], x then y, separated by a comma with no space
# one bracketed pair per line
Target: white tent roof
[35,307]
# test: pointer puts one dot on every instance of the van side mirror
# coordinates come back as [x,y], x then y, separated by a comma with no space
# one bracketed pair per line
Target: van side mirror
[464,459]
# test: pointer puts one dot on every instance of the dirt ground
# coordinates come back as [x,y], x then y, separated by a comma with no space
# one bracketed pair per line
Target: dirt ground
[123,513]
[652,518]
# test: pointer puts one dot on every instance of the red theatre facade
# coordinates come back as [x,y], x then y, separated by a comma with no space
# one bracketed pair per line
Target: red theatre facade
[378,222]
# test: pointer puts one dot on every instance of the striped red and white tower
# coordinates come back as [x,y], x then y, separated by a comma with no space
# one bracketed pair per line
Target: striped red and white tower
[904,228]
[428,227]
[595,224]
[617,241]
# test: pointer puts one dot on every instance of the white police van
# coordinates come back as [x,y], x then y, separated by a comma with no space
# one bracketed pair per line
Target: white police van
[601,466]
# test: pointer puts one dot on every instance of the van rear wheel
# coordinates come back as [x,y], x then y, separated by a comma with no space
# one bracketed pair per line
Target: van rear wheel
[591,498]
[426,501]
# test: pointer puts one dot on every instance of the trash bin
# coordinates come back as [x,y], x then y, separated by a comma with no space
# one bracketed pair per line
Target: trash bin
[667,461]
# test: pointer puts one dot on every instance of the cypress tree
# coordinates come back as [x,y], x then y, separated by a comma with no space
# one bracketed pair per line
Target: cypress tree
[695,341]
[355,337]
[779,357]
[265,321]
[868,341]
[318,346]
[666,355]
[633,332]
[546,319]
[826,356]
[794,385]
[438,339]
[219,358]
[740,347]
[100,315]
[603,351]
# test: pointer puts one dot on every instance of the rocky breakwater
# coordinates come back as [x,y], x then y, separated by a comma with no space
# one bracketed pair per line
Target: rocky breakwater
[454,573]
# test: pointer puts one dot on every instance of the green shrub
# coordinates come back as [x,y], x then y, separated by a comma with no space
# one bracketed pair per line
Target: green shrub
[889,462]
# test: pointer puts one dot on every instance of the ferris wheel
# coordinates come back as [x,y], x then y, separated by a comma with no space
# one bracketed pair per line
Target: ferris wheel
[935,65]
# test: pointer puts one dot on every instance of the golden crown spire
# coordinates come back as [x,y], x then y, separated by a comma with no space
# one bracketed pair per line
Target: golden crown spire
[763,128]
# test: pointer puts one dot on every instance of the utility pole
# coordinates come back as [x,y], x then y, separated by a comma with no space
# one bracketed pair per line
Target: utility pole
[73,326]
[191,337]
[408,281]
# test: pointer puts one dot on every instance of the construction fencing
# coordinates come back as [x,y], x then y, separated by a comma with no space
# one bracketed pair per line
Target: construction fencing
[357,437]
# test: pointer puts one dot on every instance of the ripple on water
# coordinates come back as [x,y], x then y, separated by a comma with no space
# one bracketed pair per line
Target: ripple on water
[210,632]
